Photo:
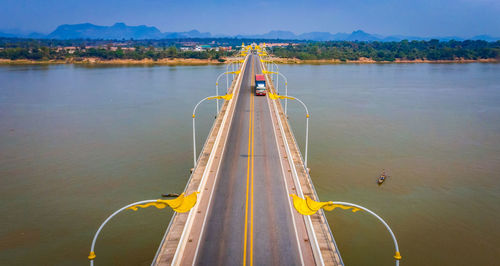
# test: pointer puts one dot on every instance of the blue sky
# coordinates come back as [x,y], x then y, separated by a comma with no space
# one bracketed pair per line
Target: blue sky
[418,17]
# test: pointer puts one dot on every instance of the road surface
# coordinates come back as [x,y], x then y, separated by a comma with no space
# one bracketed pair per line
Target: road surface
[250,219]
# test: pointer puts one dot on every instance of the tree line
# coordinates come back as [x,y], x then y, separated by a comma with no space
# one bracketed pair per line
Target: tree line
[49,49]
[106,53]
[7,42]
[390,51]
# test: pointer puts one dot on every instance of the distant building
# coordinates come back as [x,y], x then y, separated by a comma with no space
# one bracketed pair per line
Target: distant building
[68,49]
[188,44]
[281,44]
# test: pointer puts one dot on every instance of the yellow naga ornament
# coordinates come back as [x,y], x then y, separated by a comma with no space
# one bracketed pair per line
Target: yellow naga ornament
[308,206]
[179,204]
[274,96]
[225,97]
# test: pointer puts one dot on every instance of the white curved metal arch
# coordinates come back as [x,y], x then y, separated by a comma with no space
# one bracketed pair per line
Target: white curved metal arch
[106,221]
[397,256]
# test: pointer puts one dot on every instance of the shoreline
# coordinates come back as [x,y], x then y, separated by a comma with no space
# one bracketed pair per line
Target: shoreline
[197,62]
[97,61]
[292,61]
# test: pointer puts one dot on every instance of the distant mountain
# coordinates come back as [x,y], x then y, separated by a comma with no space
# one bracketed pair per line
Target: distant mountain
[357,35]
[487,38]
[274,34]
[360,35]
[186,34]
[322,36]
[7,35]
[122,31]
[20,34]
[117,31]
[317,36]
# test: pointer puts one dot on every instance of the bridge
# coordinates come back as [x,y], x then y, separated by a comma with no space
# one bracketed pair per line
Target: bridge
[247,169]
[250,198]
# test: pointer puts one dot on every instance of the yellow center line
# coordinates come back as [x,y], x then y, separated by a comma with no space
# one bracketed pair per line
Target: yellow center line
[251,193]
[250,126]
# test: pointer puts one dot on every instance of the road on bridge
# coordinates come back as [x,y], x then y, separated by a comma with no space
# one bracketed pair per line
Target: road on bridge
[245,174]
[250,219]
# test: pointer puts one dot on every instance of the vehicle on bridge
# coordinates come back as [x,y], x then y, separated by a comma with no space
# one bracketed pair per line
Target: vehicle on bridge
[260,84]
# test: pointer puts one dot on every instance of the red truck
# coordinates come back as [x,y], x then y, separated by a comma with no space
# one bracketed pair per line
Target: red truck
[260,84]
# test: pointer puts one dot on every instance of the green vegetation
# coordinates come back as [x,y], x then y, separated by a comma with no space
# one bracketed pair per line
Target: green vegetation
[106,53]
[390,51]
[46,49]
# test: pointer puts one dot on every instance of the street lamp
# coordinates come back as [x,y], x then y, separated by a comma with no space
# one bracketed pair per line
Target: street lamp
[308,206]
[226,97]
[217,85]
[277,87]
[277,70]
[236,63]
[92,253]
[273,67]
[231,63]
[397,255]
[179,204]
[276,96]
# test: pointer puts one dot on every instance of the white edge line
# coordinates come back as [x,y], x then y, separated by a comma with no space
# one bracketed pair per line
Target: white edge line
[286,186]
[202,232]
[182,242]
[309,224]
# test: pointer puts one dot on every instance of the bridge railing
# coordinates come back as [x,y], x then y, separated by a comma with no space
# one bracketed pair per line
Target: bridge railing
[233,84]
[322,213]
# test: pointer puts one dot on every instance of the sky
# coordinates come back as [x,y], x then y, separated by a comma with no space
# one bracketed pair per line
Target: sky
[424,18]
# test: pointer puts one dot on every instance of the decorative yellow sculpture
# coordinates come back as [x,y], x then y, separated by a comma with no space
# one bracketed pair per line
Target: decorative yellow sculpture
[179,204]
[225,97]
[309,207]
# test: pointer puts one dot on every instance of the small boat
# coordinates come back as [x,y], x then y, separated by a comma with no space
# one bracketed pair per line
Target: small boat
[382,177]
[170,195]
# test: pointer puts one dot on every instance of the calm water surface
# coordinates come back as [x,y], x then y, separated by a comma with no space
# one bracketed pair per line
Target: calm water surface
[77,143]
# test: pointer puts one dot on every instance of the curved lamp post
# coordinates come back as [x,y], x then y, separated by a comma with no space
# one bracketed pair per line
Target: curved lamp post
[217,85]
[286,86]
[235,65]
[92,253]
[227,70]
[277,70]
[274,68]
[397,255]
[275,96]
[180,204]
[226,97]
[309,206]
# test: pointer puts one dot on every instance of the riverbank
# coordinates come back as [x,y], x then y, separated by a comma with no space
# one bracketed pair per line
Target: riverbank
[371,61]
[192,61]
[98,61]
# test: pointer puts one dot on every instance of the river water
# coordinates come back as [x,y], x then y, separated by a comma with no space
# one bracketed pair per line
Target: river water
[77,143]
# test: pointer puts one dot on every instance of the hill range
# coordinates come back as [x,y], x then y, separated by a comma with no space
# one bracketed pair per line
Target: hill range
[120,31]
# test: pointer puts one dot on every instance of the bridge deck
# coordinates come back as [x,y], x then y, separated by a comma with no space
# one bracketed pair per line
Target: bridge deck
[244,213]
[329,250]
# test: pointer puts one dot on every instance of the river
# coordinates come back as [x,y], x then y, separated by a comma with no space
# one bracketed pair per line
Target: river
[77,143]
